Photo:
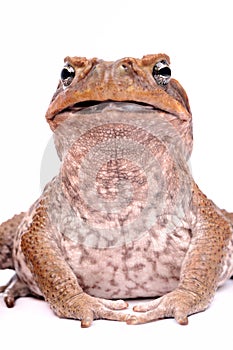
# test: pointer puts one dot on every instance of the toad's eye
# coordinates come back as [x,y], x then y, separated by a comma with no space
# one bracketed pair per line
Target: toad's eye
[162,72]
[67,75]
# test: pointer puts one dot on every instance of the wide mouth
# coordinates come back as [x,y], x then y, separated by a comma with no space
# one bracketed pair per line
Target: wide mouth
[93,106]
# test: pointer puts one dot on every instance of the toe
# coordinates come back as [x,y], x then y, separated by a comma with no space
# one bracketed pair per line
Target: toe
[114,315]
[86,322]
[181,318]
[115,305]
[133,320]
[9,301]
[143,307]
[87,319]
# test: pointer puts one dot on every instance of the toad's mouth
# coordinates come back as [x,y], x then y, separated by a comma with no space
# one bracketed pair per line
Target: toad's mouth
[73,107]
[93,106]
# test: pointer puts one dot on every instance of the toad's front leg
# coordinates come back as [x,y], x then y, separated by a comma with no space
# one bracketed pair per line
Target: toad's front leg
[201,267]
[57,281]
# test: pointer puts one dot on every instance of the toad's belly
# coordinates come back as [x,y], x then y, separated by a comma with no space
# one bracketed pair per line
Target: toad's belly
[147,267]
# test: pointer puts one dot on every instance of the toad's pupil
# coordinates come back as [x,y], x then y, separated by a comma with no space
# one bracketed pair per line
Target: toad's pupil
[165,71]
[67,73]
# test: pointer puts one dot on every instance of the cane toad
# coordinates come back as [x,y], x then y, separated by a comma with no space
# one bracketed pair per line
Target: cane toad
[123,218]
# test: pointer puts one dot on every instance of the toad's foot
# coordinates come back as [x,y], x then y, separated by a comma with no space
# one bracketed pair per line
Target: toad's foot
[87,308]
[178,304]
[14,289]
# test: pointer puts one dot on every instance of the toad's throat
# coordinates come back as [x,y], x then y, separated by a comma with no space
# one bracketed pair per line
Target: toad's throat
[118,121]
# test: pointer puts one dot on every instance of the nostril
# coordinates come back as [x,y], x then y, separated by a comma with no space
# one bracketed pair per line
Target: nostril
[124,70]
[124,67]
[126,64]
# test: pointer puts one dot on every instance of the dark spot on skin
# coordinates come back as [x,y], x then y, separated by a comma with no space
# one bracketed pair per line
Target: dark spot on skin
[113,283]
[138,267]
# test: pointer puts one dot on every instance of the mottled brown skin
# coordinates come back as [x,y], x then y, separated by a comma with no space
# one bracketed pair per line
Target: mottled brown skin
[185,266]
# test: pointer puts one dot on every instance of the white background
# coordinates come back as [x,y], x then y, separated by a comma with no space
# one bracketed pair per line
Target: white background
[35,37]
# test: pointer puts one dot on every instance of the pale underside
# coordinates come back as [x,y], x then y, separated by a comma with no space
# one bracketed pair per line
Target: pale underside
[120,207]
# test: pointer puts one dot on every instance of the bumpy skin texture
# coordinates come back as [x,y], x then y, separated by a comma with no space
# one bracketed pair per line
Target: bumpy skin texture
[123,218]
